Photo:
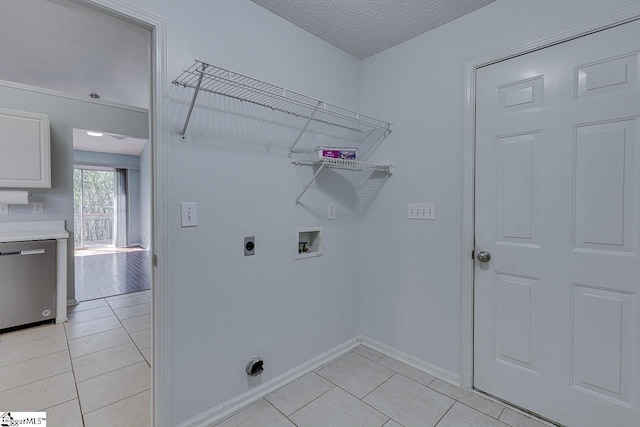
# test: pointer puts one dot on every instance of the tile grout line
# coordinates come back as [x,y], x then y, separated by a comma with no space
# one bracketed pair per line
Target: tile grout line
[32,358]
[41,379]
[356,397]
[312,400]
[445,414]
[250,405]
[282,413]
[73,372]
[469,406]
[34,328]
[379,385]
[117,401]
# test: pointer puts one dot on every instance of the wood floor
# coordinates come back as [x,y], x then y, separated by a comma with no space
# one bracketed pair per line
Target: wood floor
[101,274]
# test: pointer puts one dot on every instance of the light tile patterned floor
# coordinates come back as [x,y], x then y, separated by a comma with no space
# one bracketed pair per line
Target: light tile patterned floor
[365,388]
[93,371]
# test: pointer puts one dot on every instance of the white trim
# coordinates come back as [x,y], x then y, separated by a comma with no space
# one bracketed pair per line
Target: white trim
[618,17]
[102,166]
[403,357]
[227,408]
[72,302]
[59,94]
[161,327]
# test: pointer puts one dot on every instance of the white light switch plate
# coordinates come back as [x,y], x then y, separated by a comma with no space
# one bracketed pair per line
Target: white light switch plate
[38,208]
[422,211]
[331,211]
[4,209]
[189,214]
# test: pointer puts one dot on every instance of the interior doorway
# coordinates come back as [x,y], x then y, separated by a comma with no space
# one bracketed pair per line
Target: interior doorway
[556,220]
[112,214]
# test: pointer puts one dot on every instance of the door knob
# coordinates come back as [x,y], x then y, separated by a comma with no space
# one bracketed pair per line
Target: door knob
[483,256]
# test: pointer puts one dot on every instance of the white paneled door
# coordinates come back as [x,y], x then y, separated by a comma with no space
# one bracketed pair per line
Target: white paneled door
[557,329]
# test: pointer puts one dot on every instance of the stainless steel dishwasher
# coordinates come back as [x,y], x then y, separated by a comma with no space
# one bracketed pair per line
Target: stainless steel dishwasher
[27,282]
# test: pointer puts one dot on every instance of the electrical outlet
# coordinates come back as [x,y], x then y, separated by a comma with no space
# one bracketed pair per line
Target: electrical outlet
[249,245]
[331,211]
[4,209]
[422,211]
[189,214]
[38,208]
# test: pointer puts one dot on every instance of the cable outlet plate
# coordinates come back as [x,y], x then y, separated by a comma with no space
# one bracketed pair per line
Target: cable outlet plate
[249,245]
[422,211]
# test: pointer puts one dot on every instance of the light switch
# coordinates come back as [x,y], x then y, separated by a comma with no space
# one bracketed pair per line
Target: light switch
[38,208]
[189,214]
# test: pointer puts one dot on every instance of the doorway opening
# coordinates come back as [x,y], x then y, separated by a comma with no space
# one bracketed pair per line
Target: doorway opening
[112,207]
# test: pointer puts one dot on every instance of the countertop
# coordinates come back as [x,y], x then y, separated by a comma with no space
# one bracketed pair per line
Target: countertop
[32,230]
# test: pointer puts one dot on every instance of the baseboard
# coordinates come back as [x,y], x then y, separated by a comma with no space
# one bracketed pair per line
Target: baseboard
[229,407]
[403,357]
[72,302]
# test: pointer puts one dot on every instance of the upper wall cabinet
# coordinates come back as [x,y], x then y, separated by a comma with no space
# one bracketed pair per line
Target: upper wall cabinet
[25,152]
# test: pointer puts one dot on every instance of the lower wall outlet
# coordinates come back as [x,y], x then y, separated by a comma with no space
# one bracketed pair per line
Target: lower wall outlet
[4,209]
[249,245]
[38,208]
[331,211]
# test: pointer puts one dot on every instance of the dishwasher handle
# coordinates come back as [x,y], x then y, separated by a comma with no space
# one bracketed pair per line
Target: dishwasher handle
[32,251]
[25,252]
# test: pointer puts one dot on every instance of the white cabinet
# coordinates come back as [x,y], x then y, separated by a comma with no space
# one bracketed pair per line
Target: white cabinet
[25,153]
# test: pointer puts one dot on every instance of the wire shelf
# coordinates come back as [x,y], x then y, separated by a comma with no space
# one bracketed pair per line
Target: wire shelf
[202,76]
[345,164]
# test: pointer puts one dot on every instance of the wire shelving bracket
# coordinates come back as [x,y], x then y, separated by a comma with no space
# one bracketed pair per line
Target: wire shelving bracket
[367,131]
[340,164]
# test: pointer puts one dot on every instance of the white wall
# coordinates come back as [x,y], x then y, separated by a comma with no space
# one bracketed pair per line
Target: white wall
[145,196]
[411,269]
[65,114]
[225,307]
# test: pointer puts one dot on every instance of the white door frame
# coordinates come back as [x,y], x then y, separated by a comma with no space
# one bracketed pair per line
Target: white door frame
[161,328]
[618,17]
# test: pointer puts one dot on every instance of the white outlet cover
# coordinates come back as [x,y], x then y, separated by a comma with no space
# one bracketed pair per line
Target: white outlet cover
[38,208]
[4,209]
[421,211]
[331,211]
[189,214]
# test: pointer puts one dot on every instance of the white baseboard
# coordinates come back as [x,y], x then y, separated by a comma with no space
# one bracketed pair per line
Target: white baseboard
[230,406]
[71,302]
[427,367]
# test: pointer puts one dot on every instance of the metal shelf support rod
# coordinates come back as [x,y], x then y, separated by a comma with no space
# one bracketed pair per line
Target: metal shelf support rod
[309,184]
[378,141]
[304,128]
[193,103]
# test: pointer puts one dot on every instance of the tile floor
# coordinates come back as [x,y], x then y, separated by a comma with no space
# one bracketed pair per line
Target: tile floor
[93,371]
[367,388]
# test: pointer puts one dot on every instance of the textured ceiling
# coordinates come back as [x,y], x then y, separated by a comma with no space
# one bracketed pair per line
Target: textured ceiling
[107,143]
[63,46]
[366,27]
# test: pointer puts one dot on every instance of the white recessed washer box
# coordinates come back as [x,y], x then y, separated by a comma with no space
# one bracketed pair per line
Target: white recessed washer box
[308,242]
